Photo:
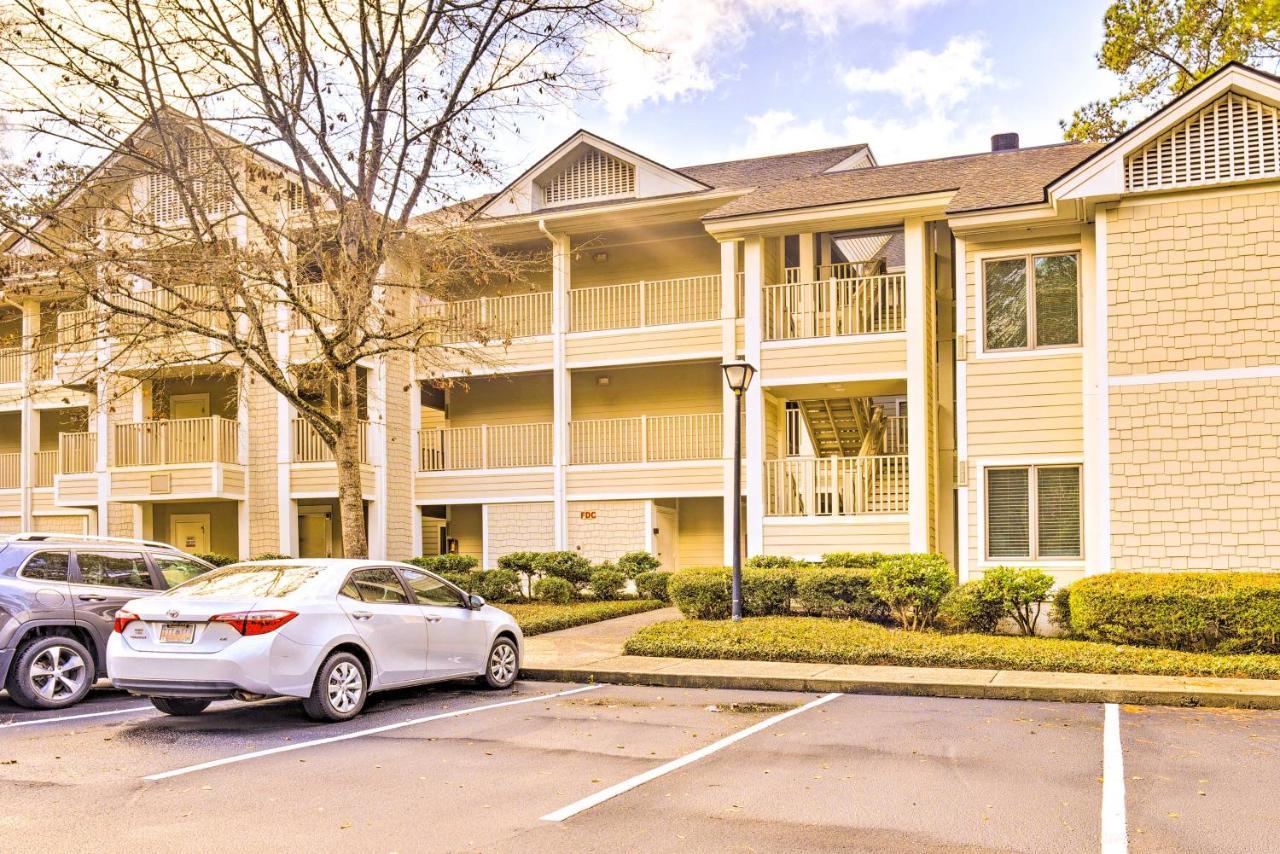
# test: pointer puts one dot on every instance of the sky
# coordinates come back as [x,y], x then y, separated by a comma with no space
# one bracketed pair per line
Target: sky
[913,78]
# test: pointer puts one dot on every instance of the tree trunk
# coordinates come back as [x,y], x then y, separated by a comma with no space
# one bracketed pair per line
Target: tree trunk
[355,541]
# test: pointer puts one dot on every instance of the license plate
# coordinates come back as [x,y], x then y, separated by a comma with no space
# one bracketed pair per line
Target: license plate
[177,633]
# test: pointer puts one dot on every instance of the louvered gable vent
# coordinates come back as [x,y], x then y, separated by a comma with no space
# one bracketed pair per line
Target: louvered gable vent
[1233,139]
[594,175]
[206,178]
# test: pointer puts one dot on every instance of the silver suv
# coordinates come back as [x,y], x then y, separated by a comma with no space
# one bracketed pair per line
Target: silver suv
[58,597]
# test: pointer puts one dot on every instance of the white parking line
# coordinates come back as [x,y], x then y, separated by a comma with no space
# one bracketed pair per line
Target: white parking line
[257,754]
[1115,836]
[39,721]
[675,764]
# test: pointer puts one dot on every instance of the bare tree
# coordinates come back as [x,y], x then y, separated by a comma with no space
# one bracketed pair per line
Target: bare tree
[262,165]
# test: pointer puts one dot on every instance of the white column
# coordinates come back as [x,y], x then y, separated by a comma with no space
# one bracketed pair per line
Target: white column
[1097,431]
[377,451]
[808,257]
[286,509]
[29,433]
[415,452]
[729,353]
[753,456]
[962,410]
[561,388]
[917,391]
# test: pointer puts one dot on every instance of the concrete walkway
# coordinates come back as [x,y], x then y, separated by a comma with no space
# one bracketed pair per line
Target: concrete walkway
[594,653]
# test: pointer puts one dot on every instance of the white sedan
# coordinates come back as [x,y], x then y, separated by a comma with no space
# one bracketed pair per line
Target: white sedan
[328,631]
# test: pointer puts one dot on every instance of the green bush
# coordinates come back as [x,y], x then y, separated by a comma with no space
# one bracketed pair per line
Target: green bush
[271,556]
[1219,611]
[498,585]
[838,592]
[774,562]
[467,579]
[606,584]
[440,564]
[216,559]
[1022,590]
[1060,608]
[571,566]
[913,586]
[854,560]
[632,564]
[707,593]
[523,563]
[535,618]
[653,585]
[554,589]
[973,607]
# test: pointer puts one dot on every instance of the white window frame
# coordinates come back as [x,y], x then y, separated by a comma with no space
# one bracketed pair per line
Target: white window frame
[980,261]
[985,560]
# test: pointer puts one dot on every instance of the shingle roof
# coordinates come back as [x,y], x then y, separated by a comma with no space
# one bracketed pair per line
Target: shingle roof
[758,171]
[992,179]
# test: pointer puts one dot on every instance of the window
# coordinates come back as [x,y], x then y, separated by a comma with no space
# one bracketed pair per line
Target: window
[114,569]
[1033,512]
[379,585]
[178,569]
[429,590]
[1032,301]
[46,566]
[239,581]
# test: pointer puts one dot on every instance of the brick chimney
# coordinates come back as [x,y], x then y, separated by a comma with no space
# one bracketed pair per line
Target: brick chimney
[1004,141]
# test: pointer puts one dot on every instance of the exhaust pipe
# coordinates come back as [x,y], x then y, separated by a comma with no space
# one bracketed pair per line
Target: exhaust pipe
[246,697]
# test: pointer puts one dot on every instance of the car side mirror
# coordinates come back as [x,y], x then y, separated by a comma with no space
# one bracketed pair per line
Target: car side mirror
[476,602]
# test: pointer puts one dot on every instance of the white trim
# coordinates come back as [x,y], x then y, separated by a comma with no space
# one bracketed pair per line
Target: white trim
[1115,836]
[488,472]
[980,259]
[915,255]
[867,338]
[645,466]
[1035,353]
[38,721]
[645,493]
[1258,372]
[1100,477]
[648,526]
[961,272]
[537,498]
[864,519]
[754,438]
[674,356]
[980,467]
[809,379]
[680,326]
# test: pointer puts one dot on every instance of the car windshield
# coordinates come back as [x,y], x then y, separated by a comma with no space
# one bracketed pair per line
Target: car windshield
[246,581]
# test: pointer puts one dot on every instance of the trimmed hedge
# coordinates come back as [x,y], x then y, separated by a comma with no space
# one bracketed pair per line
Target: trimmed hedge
[913,586]
[707,593]
[215,559]
[535,618]
[838,592]
[441,564]
[653,585]
[811,639]
[554,589]
[1218,611]
[633,564]
[570,566]
[606,583]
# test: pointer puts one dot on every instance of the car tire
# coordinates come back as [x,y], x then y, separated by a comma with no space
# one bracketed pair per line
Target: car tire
[502,666]
[180,707]
[340,689]
[51,672]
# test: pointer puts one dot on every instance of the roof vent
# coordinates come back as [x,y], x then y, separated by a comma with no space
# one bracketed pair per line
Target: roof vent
[1004,141]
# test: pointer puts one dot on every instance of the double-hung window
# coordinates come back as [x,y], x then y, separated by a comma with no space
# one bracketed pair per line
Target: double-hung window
[1031,301]
[1033,512]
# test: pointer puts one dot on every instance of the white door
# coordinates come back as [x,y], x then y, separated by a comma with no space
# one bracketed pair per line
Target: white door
[456,635]
[188,406]
[666,524]
[190,532]
[394,629]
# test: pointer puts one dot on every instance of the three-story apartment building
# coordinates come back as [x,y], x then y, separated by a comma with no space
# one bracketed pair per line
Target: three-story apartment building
[1063,356]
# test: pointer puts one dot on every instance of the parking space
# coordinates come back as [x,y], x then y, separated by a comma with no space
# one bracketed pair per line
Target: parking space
[634,768]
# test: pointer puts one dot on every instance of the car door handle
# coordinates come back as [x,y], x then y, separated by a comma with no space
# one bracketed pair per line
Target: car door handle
[87,598]
[361,615]
[433,618]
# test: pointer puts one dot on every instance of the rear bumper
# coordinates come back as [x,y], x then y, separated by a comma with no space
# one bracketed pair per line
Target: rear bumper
[174,688]
[271,665]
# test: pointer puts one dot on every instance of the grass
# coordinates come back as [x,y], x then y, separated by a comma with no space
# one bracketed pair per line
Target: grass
[814,639]
[535,618]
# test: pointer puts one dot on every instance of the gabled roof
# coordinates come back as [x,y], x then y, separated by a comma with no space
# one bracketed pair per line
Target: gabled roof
[761,171]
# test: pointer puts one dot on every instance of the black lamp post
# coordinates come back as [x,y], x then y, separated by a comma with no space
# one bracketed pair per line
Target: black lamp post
[738,375]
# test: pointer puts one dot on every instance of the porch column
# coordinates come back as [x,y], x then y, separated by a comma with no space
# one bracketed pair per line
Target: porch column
[753,456]
[919,398]
[376,450]
[729,353]
[1096,472]
[562,404]
[29,433]
[808,257]
[963,558]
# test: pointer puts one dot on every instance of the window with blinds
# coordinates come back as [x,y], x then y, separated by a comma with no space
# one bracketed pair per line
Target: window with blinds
[1033,512]
[1032,301]
[1235,138]
[204,176]
[594,175]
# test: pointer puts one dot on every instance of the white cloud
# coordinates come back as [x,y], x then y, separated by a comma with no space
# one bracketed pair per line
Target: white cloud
[939,80]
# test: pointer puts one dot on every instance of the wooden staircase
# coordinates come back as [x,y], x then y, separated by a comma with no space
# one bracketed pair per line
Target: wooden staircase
[843,427]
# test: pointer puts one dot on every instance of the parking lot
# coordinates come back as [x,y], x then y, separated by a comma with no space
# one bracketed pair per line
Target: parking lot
[603,768]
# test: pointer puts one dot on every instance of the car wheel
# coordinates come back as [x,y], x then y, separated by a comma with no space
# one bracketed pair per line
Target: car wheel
[180,707]
[340,689]
[51,672]
[503,666]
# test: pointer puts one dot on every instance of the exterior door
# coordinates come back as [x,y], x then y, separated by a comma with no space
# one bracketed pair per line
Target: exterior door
[103,581]
[188,406]
[456,636]
[190,532]
[666,536]
[315,532]
[394,629]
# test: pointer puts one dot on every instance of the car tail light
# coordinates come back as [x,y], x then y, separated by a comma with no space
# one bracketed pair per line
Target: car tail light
[255,622]
[123,618]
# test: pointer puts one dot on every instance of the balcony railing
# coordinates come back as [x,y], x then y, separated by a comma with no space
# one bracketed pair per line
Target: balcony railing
[184,440]
[857,306]
[10,470]
[196,303]
[836,486]
[308,447]
[46,467]
[514,316]
[76,329]
[895,435]
[10,364]
[77,452]
[646,303]
[647,438]
[483,447]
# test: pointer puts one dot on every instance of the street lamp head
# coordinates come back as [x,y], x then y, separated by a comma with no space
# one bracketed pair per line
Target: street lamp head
[738,375]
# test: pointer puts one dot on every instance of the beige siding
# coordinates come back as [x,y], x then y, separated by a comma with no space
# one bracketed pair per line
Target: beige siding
[658,344]
[651,480]
[183,482]
[606,530]
[77,489]
[518,528]
[520,354]
[1025,406]
[10,501]
[10,524]
[701,531]
[322,479]
[879,355]
[446,487]
[501,400]
[658,252]
[814,540]
[651,390]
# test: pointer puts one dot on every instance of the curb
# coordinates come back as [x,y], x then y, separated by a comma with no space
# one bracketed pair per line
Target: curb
[925,682]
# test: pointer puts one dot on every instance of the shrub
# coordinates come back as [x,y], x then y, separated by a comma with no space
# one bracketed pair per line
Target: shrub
[467,579]
[498,585]
[1220,611]
[774,562]
[554,589]
[707,593]
[838,592]
[523,563]
[606,584]
[973,607]
[913,586]
[854,560]
[653,585]
[570,566]
[440,564]
[1060,608]
[1023,592]
[271,556]
[216,559]
[632,564]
